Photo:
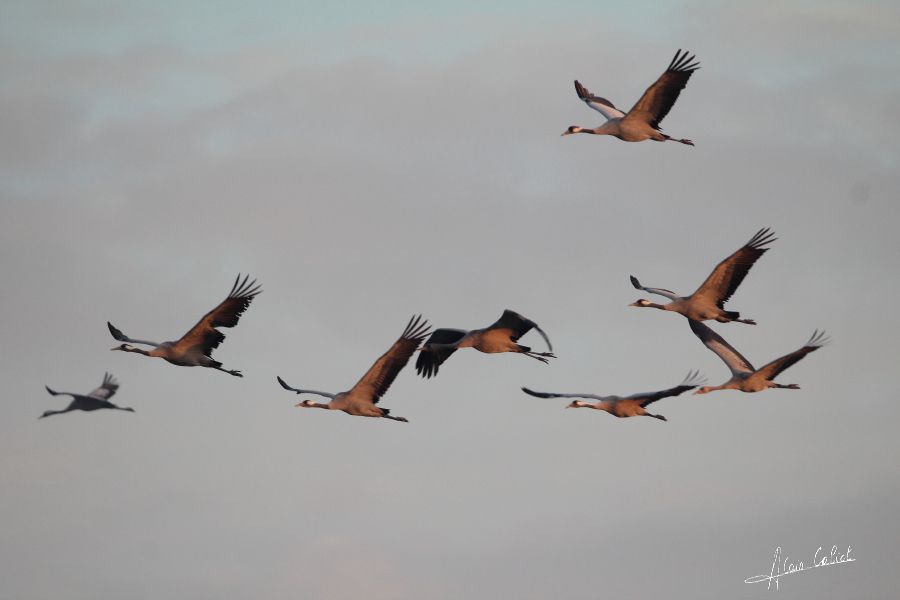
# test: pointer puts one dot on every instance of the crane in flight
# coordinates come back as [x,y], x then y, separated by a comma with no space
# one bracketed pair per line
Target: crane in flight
[194,348]
[743,376]
[97,399]
[362,399]
[501,336]
[708,301]
[642,121]
[625,406]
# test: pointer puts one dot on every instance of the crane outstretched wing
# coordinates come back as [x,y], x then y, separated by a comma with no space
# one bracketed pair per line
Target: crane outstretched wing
[728,274]
[519,326]
[658,291]
[659,98]
[437,349]
[117,334]
[284,384]
[772,369]
[381,375]
[204,334]
[557,395]
[712,340]
[601,105]
[107,389]
[691,380]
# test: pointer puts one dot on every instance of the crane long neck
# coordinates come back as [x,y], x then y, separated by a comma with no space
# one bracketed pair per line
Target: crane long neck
[596,406]
[712,388]
[311,404]
[605,129]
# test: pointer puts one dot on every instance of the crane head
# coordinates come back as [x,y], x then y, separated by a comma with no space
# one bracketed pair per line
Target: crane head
[641,302]
[571,130]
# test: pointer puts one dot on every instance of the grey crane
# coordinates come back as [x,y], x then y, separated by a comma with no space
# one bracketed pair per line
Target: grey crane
[642,121]
[626,406]
[708,301]
[194,348]
[502,336]
[743,376]
[97,399]
[362,399]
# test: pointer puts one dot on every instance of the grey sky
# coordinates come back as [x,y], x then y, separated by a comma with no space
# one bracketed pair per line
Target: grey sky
[366,164]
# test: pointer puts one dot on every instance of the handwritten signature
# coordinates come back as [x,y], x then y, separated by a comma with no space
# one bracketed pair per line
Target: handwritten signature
[784,566]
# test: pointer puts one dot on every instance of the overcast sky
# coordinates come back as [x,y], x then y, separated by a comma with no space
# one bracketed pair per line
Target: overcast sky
[369,162]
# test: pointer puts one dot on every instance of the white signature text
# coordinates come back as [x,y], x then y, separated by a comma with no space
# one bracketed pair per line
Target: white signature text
[782,566]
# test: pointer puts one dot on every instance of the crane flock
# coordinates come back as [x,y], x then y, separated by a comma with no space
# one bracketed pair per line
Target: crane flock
[642,122]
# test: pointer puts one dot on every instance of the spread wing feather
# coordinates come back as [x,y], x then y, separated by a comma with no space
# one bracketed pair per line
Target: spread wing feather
[691,380]
[556,395]
[519,326]
[771,370]
[728,274]
[601,105]
[381,375]
[658,291]
[438,348]
[204,335]
[712,340]
[659,98]
[107,389]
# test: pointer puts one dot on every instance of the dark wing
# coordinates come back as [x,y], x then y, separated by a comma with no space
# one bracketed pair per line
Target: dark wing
[519,326]
[657,101]
[555,395]
[658,291]
[117,333]
[379,378]
[728,274]
[691,380]
[437,349]
[712,340]
[284,384]
[601,105]
[771,370]
[204,334]
[107,389]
